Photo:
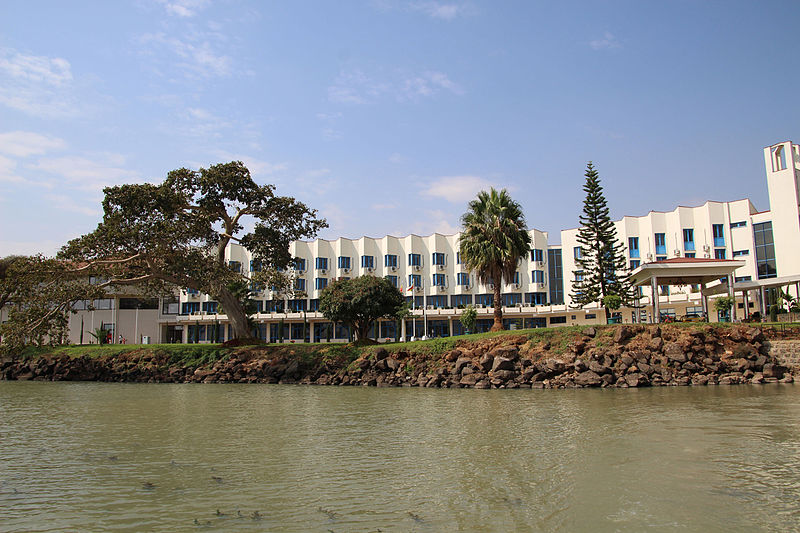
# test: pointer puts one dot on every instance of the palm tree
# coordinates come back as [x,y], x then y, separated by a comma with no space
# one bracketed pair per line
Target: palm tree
[493,240]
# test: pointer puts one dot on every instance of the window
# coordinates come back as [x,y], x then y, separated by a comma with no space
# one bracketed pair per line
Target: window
[661,243]
[719,235]
[536,298]
[438,280]
[236,266]
[737,253]
[187,308]
[690,255]
[255,265]
[516,278]
[487,300]
[556,276]
[578,275]
[765,250]
[558,319]
[138,303]
[299,264]
[577,251]
[458,258]
[462,278]
[737,279]
[537,255]
[778,158]
[537,276]
[741,224]
[392,280]
[192,292]
[688,240]
[719,253]
[344,261]
[661,258]
[170,307]
[297,305]
[313,305]
[633,247]
[436,301]
[590,316]
[299,284]
[415,280]
[368,261]
[460,300]
[511,299]
[634,264]
[437,258]
[390,260]
[210,307]
[321,263]
[104,303]
[320,283]
[414,260]
[663,290]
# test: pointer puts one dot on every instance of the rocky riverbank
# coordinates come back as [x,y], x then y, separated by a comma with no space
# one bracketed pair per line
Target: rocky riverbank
[614,356]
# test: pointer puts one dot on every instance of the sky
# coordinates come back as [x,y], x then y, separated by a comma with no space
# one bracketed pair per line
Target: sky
[388,116]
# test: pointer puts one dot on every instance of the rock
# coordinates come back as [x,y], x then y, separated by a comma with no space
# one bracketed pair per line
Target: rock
[580,366]
[590,332]
[502,363]
[598,368]
[486,362]
[635,379]
[578,347]
[772,370]
[393,364]
[461,363]
[483,384]
[626,360]
[381,353]
[505,375]
[588,379]
[554,366]
[674,352]
[622,334]
[469,380]
[507,352]
[645,369]
[699,379]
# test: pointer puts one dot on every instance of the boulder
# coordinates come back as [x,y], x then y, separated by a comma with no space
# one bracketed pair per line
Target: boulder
[381,353]
[469,380]
[588,379]
[590,332]
[675,352]
[507,352]
[502,363]
[486,362]
[636,380]
[598,368]
[461,363]
[622,334]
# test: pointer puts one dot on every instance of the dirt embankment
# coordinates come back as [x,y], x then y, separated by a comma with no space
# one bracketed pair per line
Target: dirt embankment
[617,356]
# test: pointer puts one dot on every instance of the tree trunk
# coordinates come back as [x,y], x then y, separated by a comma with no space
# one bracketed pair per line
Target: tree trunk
[498,307]
[235,312]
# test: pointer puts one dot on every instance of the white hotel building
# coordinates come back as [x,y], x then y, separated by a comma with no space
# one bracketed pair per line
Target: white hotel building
[767,241]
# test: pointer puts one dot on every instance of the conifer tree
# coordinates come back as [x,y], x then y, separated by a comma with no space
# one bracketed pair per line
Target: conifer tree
[602,258]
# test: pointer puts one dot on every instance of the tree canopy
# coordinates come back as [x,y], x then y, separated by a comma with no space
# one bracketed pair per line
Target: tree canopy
[359,302]
[493,240]
[174,234]
[602,264]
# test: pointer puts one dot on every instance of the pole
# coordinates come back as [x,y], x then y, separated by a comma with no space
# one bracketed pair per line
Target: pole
[656,306]
[136,327]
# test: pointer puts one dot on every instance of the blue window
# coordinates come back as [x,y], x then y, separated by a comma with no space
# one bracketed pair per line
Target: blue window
[661,258]
[741,224]
[368,261]
[458,258]
[320,283]
[321,263]
[437,258]
[663,290]
[537,255]
[236,266]
[661,243]
[313,305]
[390,260]
[484,299]
[737,253]
[438,280]
[299,264]
[511,299]
[742,278]
[579,275]
[577,251]
[187,308]
[297,306]
[719,235]
[344,261]
[460,300]
[299,284]
[690,255]
[537,276]
[635,264]
[436,301]
[462,278]
[633,246]
[765,250]
[536,298]
[516,278]
[255,265]
[192,292]
[688,240]
[415,280]
[719,253]
[414,260]
[257,287]
[392,280]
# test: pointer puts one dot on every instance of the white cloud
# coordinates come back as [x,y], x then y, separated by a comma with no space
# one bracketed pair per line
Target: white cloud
[434,221]
[197,54]
[26,143]
[608,41]
[357,87]
[397,158]
[184,8]
[37,85]
[102,170]
[8,171]
[383,207]
[28,247]
[439,10]
[258,168]
[456,189]
[67,203]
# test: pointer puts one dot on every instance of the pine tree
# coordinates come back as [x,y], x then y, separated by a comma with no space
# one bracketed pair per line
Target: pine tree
[602,260]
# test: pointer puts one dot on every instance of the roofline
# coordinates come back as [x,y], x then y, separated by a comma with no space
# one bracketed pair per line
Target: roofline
[396,237]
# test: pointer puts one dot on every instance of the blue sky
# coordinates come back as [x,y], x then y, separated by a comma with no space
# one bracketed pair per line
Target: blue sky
[389,115]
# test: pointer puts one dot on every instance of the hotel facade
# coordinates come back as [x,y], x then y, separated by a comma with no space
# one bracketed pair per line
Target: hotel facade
[429,271]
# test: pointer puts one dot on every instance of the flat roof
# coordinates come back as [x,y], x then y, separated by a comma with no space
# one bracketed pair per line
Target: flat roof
[684,271]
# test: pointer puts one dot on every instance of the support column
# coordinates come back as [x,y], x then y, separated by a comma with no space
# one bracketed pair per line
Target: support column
[762,303]
[403,329]
[704,301]
[746,304]
[450,325]
[656,303]
[732,294]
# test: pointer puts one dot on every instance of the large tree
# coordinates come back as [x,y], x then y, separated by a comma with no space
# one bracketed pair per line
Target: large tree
[493,240]
[602,264]
[174,234]
[360,301]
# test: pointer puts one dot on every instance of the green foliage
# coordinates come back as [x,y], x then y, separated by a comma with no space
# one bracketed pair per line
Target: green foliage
[602,256]
[494,238]
[358,302]
[773,313]
[723,304]
[468,318]
[174,234]
[612,301]
[100,335]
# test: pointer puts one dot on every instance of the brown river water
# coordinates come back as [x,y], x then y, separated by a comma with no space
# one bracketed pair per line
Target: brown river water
[149,457]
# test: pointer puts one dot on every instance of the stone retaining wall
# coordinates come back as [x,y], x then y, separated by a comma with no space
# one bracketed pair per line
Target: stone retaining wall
[786,352]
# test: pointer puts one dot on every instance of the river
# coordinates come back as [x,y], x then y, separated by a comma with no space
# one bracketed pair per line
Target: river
[149,457]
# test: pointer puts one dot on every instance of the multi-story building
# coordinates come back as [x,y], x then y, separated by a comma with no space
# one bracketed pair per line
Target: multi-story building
[429,272]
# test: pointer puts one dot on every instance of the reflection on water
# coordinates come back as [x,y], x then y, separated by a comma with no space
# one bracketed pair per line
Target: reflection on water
[137,457]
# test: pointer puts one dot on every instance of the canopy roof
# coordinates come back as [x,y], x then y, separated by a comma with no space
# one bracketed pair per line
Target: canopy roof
[753,285]
[684,271]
